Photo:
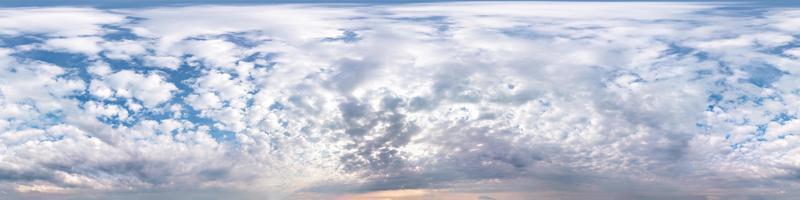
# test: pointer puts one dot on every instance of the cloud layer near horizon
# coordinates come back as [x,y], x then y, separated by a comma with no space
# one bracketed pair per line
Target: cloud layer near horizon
[618,100]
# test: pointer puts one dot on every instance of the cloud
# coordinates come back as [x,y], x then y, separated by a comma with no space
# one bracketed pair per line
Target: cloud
[507,99]
[64,22]
[84,45]
[127,49]
[162,61]
[151,89]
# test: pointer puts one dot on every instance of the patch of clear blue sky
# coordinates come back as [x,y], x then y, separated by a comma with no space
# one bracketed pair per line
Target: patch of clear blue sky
[153,3]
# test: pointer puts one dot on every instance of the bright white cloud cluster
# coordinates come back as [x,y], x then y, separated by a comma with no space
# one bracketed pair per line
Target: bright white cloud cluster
[293,100]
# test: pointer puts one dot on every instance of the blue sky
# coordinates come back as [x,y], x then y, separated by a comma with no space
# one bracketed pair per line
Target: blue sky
[442,100]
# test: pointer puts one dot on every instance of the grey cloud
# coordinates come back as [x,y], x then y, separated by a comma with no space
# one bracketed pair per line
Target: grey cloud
[377,134]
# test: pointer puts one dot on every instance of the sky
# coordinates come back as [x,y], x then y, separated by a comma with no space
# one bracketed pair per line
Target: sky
[157,3]
[399,100]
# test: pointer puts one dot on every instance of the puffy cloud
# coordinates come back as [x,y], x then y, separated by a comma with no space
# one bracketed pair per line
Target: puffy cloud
[151,89]
[294,100]
[84,45]
[162,61]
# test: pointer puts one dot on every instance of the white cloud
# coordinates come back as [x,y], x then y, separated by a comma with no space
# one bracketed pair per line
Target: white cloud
[212,53]
[203,101]
[152,88]
[168,62]
[82,45]
[173,25]
[55,21]
[793,52]
[505,96]
[123,50]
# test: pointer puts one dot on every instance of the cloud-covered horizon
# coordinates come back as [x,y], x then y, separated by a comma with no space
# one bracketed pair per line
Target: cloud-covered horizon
[503,100]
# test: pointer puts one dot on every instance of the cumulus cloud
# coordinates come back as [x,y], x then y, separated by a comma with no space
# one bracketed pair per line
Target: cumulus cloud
[151,89]
[81,45]
[508,99]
